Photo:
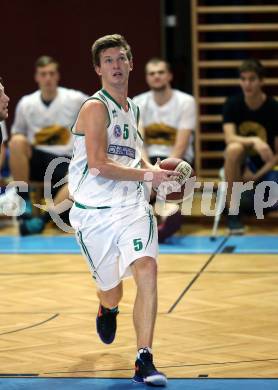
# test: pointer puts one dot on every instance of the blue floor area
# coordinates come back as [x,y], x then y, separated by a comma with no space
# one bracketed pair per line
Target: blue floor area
[191,244]
[175,245]
[39,244]
[253,244]
[126,384]
[68,244]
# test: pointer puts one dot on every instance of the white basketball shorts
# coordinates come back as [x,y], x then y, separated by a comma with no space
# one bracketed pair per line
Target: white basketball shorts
[112,239]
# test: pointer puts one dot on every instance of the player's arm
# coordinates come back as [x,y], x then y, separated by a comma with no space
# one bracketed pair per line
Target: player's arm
[231,136]
[262,148]
[230,128]
[181,143]
[145,164]
[93,119]
[268,166]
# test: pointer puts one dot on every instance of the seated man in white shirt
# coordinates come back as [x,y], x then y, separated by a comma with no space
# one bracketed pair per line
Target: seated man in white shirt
[168,118]
[40,134]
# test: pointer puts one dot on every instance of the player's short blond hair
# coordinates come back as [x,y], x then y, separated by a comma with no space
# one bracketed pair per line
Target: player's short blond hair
[107,41]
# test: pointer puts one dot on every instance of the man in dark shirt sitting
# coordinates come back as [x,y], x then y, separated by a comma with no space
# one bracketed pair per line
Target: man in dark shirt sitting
[250,124]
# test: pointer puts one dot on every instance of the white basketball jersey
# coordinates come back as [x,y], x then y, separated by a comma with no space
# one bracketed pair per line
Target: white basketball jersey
[124,145]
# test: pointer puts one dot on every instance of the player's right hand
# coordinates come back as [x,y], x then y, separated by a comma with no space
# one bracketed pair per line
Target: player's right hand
[162,175]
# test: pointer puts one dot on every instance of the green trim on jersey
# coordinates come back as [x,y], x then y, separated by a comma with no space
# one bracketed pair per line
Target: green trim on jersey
[86,252]
[138,132]
[84,207]
[93,98]
[136,112]
[103,102]
[138,115]
[73,132]
[78,134]
[83,177]
[111,98]
[151,229]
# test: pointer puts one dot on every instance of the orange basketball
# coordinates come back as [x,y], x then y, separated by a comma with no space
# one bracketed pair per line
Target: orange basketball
[182,186]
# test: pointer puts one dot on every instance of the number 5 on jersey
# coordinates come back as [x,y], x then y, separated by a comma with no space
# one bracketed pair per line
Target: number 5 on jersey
[126,131]
[138,245]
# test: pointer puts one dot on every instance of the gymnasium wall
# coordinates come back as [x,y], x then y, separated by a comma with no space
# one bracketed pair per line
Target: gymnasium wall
[66,29]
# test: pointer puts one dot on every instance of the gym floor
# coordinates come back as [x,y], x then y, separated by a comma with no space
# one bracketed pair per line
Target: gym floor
[216,326]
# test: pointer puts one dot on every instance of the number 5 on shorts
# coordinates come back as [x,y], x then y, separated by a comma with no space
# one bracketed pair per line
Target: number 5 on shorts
[138,245]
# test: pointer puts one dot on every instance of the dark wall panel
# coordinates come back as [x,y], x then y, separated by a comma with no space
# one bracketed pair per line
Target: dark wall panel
[66,29]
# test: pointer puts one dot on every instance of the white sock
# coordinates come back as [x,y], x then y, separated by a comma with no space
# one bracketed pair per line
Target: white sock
[144,350]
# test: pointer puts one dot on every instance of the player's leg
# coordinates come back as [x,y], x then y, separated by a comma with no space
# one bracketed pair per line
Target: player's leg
[234,156]
[60,197]
[144,315]
[57,197]
[106,322]
[110,298]
[138,247]
[37,166]
[20,156]
[144,271]
[97,238]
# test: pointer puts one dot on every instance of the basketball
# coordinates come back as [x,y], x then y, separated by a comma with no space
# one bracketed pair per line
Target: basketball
[182,186]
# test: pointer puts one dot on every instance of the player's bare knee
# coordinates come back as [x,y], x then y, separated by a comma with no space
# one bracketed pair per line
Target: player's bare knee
[233,151]
[146,268]
[19,143]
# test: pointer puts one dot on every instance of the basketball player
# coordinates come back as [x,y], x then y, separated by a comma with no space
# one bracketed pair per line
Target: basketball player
[41,133]
[114,223]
